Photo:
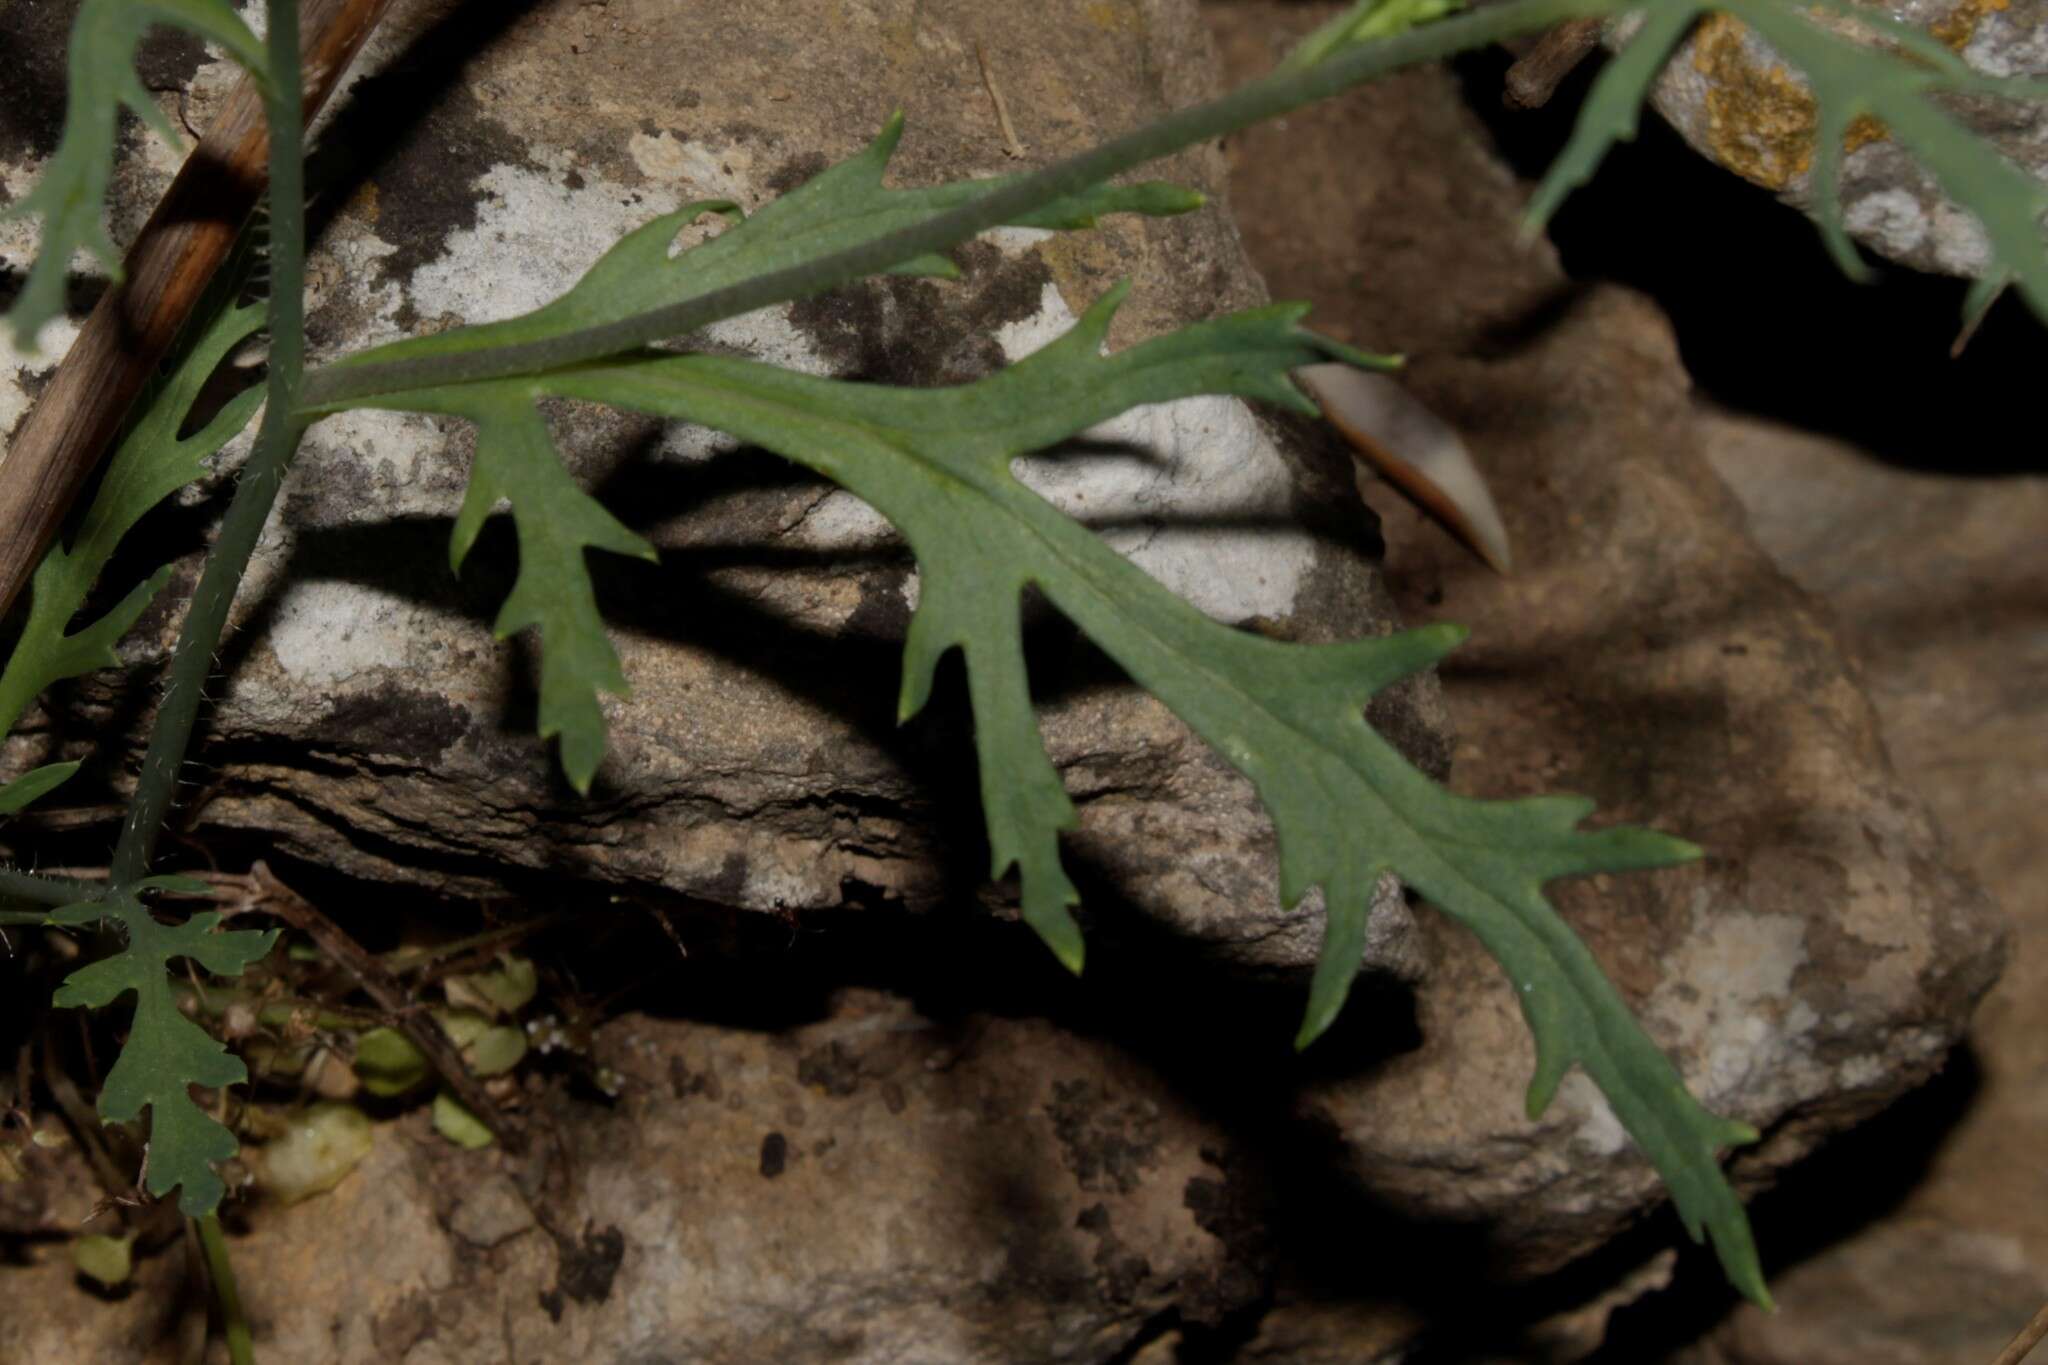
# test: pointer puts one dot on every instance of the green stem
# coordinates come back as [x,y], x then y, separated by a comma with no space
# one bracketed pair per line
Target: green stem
[192,663]
[28,886]
[346,383]
[221,1270]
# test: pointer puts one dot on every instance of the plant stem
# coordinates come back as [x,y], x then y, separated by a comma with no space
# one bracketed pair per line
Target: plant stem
[28,886]
[164,279]
[221,1270]
[343,383]
[192,663]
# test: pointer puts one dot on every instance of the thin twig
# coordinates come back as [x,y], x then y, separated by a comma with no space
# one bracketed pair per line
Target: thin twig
[165,275]
[418,1025]
[1535,76]
[988,82]
[86,1128]
[2022,1345]
[1975,319]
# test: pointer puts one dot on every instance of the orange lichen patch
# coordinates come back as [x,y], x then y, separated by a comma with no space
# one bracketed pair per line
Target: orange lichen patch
[1112,18]
[1959,25]
[1863,130]
[363,203]
[1760,119]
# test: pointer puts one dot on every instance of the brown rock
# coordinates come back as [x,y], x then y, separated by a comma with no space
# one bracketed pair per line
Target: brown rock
[1001,1194]
[1938,584]
[1646,653]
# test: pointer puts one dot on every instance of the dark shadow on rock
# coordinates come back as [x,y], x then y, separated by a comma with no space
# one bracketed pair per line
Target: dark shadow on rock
[1765,321]
[375,123]
[1847,1185]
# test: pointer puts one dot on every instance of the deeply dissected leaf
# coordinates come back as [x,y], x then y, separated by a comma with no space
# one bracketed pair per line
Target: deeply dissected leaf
[1346,805]
[1901,89]
[101,79]
[166,1053]
[557,522]
[515,462]
[151,463]
[842,206]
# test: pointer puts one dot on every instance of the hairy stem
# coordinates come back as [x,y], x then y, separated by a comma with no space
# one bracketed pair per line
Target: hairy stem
[192,663]
[1280,93]
[46,890]
[234,1323]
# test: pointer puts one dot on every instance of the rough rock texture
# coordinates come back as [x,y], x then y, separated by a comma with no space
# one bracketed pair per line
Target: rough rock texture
[1824,957]
[876,1187]
[1941,587]
[1114,1188]
[1735,100]
[372,724]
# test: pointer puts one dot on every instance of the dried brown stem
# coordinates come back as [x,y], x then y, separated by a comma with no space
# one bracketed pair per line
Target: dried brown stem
[380,985]
[165,274]
[2021,1346]
[1535,76]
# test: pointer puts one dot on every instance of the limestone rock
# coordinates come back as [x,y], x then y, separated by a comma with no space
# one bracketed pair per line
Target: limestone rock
[1825,955]
[876,1187]
[484,161]
[1938,582]
[1910,1292]
[1739,104]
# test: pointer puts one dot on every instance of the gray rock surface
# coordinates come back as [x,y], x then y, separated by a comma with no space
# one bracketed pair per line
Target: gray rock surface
[371,723]
[1739,104]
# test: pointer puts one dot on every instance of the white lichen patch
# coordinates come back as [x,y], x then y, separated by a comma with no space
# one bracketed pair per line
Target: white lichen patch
[19,370]
[725,173]
[1892,219]
[1729,985]
[1194,491]
[1598,1129]
[2005,44]
[534,238]
[326,632]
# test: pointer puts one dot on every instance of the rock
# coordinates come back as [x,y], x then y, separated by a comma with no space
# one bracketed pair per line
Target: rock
[1738,103]
[491,1211]
[978,1191]
[370,722]
[884,1182]
[1936,581]
[1825,956]
[1909,1292]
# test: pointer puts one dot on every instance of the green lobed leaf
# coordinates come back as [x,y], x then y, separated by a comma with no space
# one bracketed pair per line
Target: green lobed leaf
[100,80]
[150,464]
[1345,804]
[840,207]
[1901,88]
[557,521]
[166,1053]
